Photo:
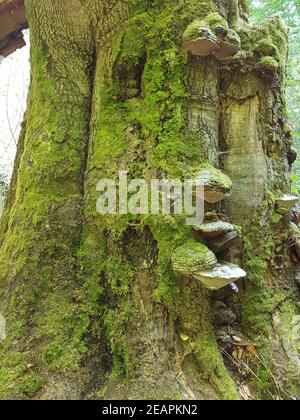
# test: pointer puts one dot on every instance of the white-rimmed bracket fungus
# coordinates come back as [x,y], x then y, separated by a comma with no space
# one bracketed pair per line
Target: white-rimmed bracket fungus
[224,242]
[211,35]
[214,229]
[199,39]
[230,45]
[284,205]
[191,257]
[216,184]
[220,275]
[234,288]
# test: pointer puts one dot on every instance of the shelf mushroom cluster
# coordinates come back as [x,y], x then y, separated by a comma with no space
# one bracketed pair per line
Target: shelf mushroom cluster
[211,36]
[217,186]
[199,260]
[285,204]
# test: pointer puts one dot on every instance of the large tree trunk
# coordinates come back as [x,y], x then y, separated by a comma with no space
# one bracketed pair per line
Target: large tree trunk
[92,306]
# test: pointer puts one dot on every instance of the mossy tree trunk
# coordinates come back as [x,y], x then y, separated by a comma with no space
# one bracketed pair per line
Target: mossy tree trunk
[92,306]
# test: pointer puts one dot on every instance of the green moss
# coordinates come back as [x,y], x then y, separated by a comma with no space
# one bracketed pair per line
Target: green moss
[192,31]
[265,385]
[142,132]
[262,303]
[233,38]
[259,251]
[17,379]
[269,62]
[213,368]
[265,47]
[192,256]
[204,363]
[115,321]
[262,298]
[288,331]
[267,388]
[211,22]
[265,41]
[213,178]
[200,8]
[215,21]
[118,275]
[38,264]
[169,233]
[30,384]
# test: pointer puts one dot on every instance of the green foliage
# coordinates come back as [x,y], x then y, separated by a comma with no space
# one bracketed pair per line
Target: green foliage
[295,184]
[288,9]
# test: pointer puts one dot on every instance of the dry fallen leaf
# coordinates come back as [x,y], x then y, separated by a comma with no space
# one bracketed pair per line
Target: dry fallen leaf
[184,337]
[251,350]
[238,353]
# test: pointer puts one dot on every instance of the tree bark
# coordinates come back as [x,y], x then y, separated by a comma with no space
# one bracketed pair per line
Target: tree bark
[92,306]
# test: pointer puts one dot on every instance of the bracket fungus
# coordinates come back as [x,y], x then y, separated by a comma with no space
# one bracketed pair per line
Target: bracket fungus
[285,204]
[216,184]
[220,275]
[200,40]
[192,256]
[234,288]
[214,229]
[224,242]
[211,36]
[230,45]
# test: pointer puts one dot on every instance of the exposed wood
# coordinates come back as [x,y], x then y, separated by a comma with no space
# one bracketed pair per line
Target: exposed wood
[12,21]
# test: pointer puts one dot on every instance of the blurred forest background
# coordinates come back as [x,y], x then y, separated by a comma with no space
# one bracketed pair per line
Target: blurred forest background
[14,81]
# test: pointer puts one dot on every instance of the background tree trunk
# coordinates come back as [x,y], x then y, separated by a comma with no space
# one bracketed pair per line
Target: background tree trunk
[92,306]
